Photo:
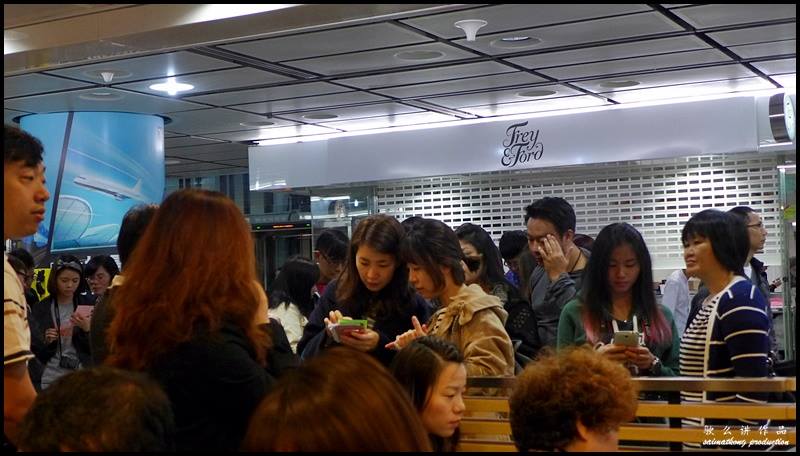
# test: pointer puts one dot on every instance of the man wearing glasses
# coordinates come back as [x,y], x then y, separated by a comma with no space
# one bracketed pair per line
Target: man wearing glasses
[330,254]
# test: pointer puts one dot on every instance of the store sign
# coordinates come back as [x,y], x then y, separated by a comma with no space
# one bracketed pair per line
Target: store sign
[522,145]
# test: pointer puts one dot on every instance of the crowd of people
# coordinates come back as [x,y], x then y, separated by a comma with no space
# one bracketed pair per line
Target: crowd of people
[184,349]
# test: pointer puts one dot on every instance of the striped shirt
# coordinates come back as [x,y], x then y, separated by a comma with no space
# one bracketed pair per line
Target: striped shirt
[727,338]
[16,333]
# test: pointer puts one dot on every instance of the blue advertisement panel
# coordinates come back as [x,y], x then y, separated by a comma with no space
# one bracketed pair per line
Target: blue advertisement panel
[99,165]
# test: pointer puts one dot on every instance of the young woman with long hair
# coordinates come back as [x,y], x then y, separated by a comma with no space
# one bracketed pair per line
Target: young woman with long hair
[466,315]
[373,286]
[618,295]
[432,371]
[192,314]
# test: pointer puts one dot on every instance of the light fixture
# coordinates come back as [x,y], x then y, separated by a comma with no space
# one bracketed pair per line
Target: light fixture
[172,87]
[320,116]
[264,123]
[13,35]
[515,42]
[470,27]
[107,74]
[171,161]
[618,84]
[536,93]
[418,56]
[101,96]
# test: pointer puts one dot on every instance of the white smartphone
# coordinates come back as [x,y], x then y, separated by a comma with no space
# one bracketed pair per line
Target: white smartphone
[627,338]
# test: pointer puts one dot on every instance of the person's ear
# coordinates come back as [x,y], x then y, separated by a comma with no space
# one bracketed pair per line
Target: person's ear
[583,431]
[316,255]
[568,237]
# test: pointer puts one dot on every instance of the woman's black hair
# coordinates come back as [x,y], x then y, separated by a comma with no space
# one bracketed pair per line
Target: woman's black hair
[67,262]
[417,368]
[727,234]
[293,285]
[483,243]
[105,261]
[431,244]
[596,291]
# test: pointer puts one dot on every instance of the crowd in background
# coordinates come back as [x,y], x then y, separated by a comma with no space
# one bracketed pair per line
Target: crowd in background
[184,349]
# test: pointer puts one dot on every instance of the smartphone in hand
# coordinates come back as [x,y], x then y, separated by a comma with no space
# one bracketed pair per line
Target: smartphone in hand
[346,326]
[626,338]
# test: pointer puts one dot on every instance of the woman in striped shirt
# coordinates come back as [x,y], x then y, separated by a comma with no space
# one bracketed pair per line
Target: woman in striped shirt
[728,336]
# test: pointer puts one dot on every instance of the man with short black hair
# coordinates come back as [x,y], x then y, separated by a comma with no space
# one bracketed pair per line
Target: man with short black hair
[330,254]
[24,195]
[98,410]
[557,278]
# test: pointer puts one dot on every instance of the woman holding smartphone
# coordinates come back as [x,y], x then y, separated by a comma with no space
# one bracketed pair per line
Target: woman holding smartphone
[618,298]
[373,286]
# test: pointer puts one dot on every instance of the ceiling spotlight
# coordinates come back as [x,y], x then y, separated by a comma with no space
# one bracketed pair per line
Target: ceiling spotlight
[171,161]
[100,96]
[618,84]
[536,93]
[264,123]
[514,42]
[320,116]
[172,87]
[470,27]
[107,74]
[417,56]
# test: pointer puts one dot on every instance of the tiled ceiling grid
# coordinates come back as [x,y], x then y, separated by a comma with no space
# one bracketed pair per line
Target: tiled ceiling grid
[655,196]
[421,70]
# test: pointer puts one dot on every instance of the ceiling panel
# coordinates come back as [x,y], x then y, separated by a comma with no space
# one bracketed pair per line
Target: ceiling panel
[614,51]
[215,80]
[153,66]
[270,93]
[194,169]
[705,16]
[373,60]
[786,80]
[458,85]
[307,45]
[295,104]
[381,109]
[500,96]
[690,90]
[429,75]
[765,49]
[517,16]
[215,120]
[777,66]
[210,151]
[755,34]
[580,32]
[274,133]
[637,64]
[169,134]
[118,101]
[390,121]
[551,104]
[734,71]
[9,114]
[29,84]
[186,141]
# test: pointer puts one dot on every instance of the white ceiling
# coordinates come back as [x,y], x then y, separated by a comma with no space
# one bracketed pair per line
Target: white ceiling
[374,75]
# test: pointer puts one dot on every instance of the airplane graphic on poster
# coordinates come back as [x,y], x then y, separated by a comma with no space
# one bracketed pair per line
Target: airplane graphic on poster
[119,192]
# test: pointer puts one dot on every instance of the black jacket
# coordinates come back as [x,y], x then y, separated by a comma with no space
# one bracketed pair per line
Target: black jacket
[41,319]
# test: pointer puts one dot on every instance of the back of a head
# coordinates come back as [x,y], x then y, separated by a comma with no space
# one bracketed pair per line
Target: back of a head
[17,265]
[333,244]
[293,284]
[554,392]
[342,400]
[512,243]
[24,256]
[583,241]
[133,225]
[410,222]
[554,210]
[99,409]
[19,146]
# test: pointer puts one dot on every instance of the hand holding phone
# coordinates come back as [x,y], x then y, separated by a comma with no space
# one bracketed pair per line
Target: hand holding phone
[345,326]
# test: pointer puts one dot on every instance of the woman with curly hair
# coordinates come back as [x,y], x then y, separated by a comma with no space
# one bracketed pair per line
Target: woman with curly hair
[192,315]
[573,401]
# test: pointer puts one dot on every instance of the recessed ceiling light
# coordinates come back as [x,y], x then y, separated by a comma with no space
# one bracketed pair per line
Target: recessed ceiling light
[618,84]
[171,161]
[172,87]
[417,56]
[100,96]
[265,123]
[320,116]
[536,93]
[13,35]
[515,42]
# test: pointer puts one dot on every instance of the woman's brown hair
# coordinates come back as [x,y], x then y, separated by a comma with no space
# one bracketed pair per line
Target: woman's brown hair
[384,234]
[342,400]
[193,268]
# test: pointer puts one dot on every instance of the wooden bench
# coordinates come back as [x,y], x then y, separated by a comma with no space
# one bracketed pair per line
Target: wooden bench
[485,426]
